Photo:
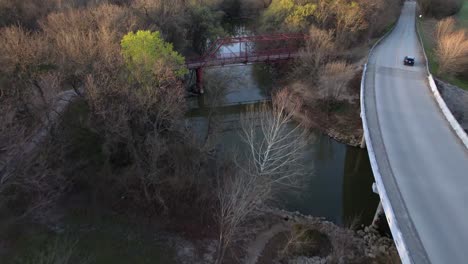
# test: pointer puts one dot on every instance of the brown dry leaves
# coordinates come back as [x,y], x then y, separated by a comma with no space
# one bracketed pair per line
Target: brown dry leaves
[451,47]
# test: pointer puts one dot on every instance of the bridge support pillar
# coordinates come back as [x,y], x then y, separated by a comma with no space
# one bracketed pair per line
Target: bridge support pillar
[378,216]
[363,141]
[199,82]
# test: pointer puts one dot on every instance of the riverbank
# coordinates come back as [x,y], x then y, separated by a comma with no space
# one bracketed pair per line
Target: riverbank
[325,79]
[426,28]
[270,237]
[278,236]
[453,88]
[340,121]
[307,239]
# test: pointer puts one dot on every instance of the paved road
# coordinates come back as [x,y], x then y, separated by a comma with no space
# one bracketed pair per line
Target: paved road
[424,165]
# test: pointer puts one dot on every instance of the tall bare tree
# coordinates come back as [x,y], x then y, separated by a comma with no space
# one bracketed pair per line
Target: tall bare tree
[334,78]
[320,48]
[273,161]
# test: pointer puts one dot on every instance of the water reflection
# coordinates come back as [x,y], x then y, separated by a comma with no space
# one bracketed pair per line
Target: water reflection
[322,195]
[338,179]
[338,183]
[244,83]
[358,198]
[340,188]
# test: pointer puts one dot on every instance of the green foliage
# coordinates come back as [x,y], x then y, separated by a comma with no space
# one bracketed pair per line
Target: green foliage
[298,18]
[294,15]
[187,24]
[276,14]
[232,7]
[440,8]
[204,24]
[350,20]
[462,16]
[144,50]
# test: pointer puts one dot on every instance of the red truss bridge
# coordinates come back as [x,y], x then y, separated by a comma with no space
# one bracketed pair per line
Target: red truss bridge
[247,49]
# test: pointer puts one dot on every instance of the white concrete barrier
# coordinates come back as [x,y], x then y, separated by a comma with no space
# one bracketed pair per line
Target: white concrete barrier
[389,213]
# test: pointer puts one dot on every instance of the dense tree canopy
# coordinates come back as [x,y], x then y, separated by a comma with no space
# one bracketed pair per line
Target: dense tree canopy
[93,104]
[350,20]
[290,13]
[440,8]
[145,49]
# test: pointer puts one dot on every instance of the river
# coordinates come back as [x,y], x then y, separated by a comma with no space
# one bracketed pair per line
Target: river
[339,178]
[337,184]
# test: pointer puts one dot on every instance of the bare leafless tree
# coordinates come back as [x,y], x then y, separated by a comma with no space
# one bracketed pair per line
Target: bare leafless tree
[275,144]
[301,240]
[28,93]
[82,40]
[24,55]
[273,161]
[35,180]
[320,48]
[334,78]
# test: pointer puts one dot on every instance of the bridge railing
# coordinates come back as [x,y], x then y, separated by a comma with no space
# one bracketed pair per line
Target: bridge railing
[384,198]
[244,57]
[213,56]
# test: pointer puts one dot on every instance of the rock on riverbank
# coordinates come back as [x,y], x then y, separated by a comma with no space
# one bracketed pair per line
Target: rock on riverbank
[328,244]
[267,239]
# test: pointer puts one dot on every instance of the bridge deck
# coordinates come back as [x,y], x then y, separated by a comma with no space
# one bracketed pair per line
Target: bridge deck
[237,58]
[421,165]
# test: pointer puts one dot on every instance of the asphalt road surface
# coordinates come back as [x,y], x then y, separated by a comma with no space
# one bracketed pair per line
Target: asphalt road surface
[424,165]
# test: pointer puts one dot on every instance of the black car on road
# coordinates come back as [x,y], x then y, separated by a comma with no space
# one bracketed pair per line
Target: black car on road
[408,61]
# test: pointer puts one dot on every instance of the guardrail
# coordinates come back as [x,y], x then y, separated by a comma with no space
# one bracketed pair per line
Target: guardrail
[243,57]
[389,213]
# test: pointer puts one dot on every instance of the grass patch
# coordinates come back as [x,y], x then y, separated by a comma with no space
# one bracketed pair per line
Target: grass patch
[389,27]
[108,241]
[462,16]
[307,241]
[460,82]
[91,234]
[426,29]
